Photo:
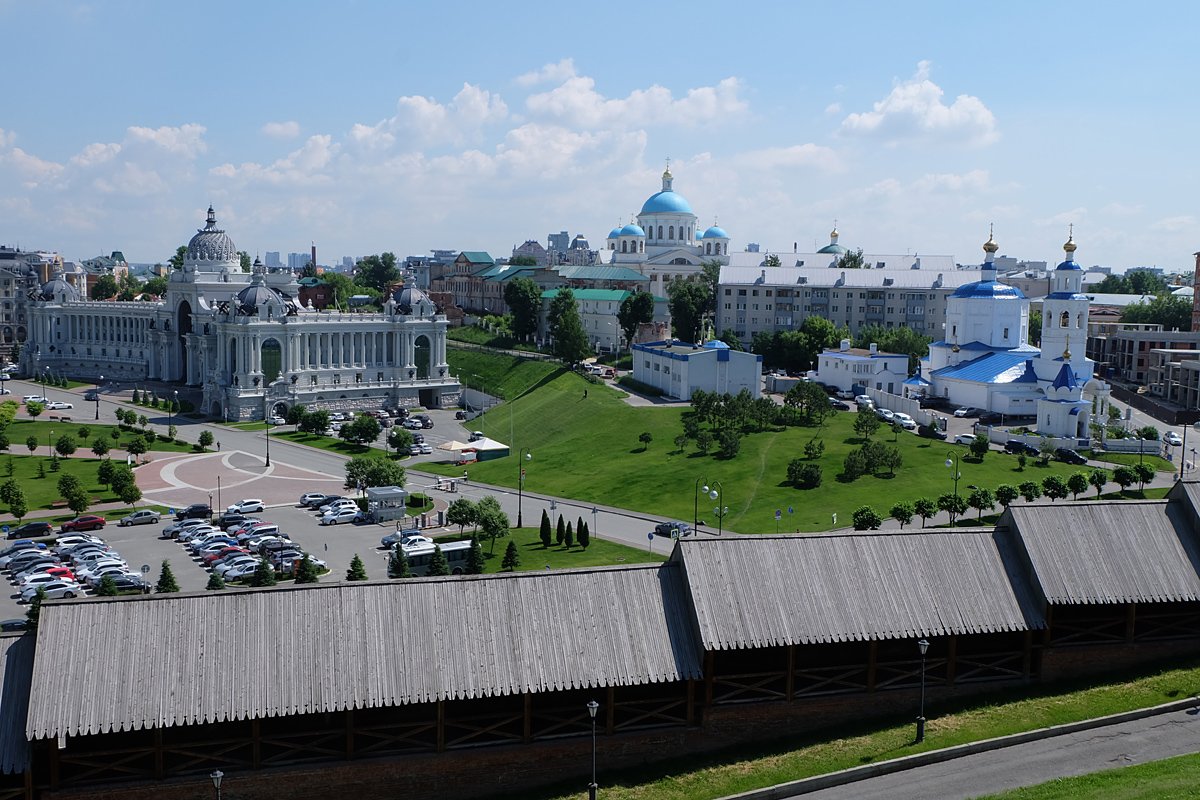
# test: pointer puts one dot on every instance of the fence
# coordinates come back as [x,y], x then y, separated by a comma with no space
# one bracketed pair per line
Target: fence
[906,405]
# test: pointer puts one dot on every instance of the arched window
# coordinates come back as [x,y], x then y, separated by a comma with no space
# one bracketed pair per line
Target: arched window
[707,248]
[1065,320]
[671,232]
[1079,320]
[623,246]
[642,247]
[659,231]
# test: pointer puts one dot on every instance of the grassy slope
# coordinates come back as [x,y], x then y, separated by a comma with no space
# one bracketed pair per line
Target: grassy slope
[1129,459]
[1170,779]
[600,553]
[21,429]
[589,449]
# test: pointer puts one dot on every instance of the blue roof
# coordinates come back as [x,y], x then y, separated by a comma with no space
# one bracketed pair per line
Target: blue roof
[1068,265]
[916,380]
[716,344]
[668,202]
[997,367]
[714,233]
[615,232]
[988,290]
[1065,379]
[632,230]
[979,346]
[1065,296]
[836,249]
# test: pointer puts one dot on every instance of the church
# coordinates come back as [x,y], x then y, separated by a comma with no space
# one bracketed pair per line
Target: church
[664,242]
[245,340]
[984,359]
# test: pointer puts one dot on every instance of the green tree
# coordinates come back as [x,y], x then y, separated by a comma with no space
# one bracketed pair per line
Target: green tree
[166,579]
[523,261]
[902,513]
[7,490]
[369,472]
[34,613]
[566,328]
[314,421]
[1098,478]
[687,301]
[851,259]
[32,443]
[771,261]
[306,571]
[34,408]
[462,513]
[980,447]
[377,272]
[1144,473]
[814,449]
[512,557]
[492,519]
[107,587]
[954,505]
[570,540]
[730,337]
[981,500]
[1030,490]
[156,286]
[524,299]
[398,564]
[399,440]
[475,563]
[560,532]
[645,438]
[866,519]
[264,575]
[704,442]
[105,471]
[636,309]
[681,442]
[357,571]
[362,429]
[810,400]
[244,261]
[205,440]
[136,447]
[854,465]
[65,445]
[924,508]
[18,506]
[215,583]
[438,565]
[865,424]
[172,431]
[1054,487]
[584,535]
[1173,313]
[1124,477]
[84,432]
[176,261]
[104,288]
[129,493]
[1077,482]
[1006,494]
[545,532]
[729,443]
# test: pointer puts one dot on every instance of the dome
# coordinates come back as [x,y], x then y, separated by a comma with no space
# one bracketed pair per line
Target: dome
[211,243]
[988,290]
[715,344]
[580,243]
[714,233]
[255,295]
[615,232]
[52,289]
[632,229]
[990,245]
[408,298]
[666,202]
[835,249]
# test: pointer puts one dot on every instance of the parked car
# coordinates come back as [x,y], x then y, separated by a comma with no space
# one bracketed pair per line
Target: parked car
[64,544]
[426,449]
[931,432]
[241,571]
[308,498]
[340,502]
[338,516]
[414,450]
[142,516]
[33,398]
[194,511]
[965,438]
[991,418]
[235,565]
[324,499]
[1172,438]
[278,421]
[54,590]
[672,529]
[834,403]
[967,411]
[864,401]
[41,579]
[1070,456]
[58,405]
[905,421]
[246,507]
[1018,447]
[885,414]
[91,395]
[405,537]
[231,520]
[85,522]
[173,530]
[30,530]
[129,582]
[13,625]
[475,436]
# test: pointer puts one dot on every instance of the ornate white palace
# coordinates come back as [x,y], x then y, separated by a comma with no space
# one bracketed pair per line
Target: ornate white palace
[245,340]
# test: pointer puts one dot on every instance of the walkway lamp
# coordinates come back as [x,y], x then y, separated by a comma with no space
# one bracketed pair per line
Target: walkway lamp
[718,493]
[923,646]
[953,462]
[696,502]
[526,455]
[592,708]
[171,410]
[98,385]
[216,779]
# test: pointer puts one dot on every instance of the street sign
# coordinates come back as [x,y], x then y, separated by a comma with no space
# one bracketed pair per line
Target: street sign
[4,528]
[145,569]
[778,515]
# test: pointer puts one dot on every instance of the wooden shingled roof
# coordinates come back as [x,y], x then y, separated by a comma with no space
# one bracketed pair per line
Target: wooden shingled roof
[208,657]
[16,670]
[869,586]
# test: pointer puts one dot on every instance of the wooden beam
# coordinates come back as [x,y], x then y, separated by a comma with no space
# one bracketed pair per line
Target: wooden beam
[709,667]
[256,744]
[441,726]
[527,730]
[872,658]
[1130,620]
[349,722]
[158,754]
[610,713]
[53,745]
[951,659]
[790,681]
[1027,655]
[691,702]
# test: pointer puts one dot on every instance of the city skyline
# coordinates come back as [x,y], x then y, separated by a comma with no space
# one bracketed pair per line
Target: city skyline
[391,131]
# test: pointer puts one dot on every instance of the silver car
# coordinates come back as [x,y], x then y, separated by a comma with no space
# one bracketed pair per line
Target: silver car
[142,517]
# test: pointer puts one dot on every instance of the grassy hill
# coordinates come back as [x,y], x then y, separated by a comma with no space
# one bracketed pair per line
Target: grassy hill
[588,448]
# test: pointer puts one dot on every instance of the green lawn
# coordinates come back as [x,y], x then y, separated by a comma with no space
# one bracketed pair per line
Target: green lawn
[1169,779]
[588,448]
[705,776]
[21,429]
[330,443]
[599,553]
[1129,459]
[41,492]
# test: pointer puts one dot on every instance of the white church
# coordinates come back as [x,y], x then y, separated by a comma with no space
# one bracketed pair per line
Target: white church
[984,359]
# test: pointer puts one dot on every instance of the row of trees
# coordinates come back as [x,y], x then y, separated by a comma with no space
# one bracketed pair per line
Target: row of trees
[563,534]
[486,514]
[398,566]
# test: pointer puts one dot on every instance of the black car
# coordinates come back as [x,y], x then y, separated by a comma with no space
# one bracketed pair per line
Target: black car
[672,529]
[929,432]
[329,498]
[991,418]
[234,518]
[11,625]
[1070,456]
[838,404]
[1017,447]
[194,511]
[129,583]
[91,395]
[31,530]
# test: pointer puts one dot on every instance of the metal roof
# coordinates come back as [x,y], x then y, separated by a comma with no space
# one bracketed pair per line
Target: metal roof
[821,277]
[209,657]
[997,367]
[1109,551]
[16,670]
[768,591]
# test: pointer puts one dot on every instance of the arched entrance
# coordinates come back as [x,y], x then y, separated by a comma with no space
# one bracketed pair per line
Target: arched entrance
[279,410]
[272,360]
[183,324]
[421,356]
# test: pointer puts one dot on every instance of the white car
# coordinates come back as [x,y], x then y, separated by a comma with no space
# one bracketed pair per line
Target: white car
[1172,438]
[278,421]
[343,503]
[905,421]
[311,497]
[340,516]
[246,507]
[58,405]
[242,570]
[964,438]
[54,590]
[33,398]
[885,414]
[41,579]
[409,542]
[236,563]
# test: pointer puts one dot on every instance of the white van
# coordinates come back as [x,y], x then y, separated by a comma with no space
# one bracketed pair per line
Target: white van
[466,457]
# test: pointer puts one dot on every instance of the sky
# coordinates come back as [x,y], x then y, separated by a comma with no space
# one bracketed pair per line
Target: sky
[369,126]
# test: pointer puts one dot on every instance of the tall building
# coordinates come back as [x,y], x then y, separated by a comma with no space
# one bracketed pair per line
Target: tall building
[298,261]
[558,241]
[271,259]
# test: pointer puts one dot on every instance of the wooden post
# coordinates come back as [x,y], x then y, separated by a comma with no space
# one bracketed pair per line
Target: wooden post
[872,656]
[1130,621]
[611,712]
[256,744]
[790,680]
[53,745]
[527,729]
[951,660]
[441,726]
[709,666]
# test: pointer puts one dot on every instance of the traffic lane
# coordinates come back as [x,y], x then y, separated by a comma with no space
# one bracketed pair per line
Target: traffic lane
[1135,742]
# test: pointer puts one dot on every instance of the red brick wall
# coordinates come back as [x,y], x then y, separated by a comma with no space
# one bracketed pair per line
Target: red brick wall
[1071,662]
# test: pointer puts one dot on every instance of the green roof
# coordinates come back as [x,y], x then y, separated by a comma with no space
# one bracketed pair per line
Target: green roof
[602,273]
[617,295]
[310,281]
[478,257]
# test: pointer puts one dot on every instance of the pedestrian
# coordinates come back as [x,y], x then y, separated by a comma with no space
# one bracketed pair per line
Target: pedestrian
[218,445]
[585,394]
[327,547]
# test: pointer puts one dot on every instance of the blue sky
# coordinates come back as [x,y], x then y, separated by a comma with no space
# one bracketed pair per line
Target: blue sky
[405,126]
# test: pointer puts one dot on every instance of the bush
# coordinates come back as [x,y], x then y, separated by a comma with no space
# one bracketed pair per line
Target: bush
[814,449]
[865,519]
[854,465]
[809,476]
[166,580]
[357,571]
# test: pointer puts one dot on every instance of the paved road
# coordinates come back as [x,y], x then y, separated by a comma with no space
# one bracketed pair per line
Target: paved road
[1136,742]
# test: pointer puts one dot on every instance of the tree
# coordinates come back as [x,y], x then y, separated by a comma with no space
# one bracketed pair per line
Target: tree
[1149,432]
[902,513]
[954,505]
[811,400]
[1077,482]
[924,508]
[524,299]
[492,519]
[814,449]
[377,272]
[980,446]
[475,563]
[264,575]
[107,587]
[368,472]
[176,261]
[156,286]
[438,565]
[851,259]
[566,328]
[636,309]
[1006,494]
[215,583]
[545,531]
[570,540]
[729,443]
[104,288]
[166,580]
[105,471]
[362,429]
[1030,490]
[687,301]
[1124,477]
[314,421]
[981,500]
[523,261]
[892,459]
[65,445]
[865,425]
[645,438]
[32,443]
[584,535]
[512,557]
[560,532]
[399,440]
[1054,487]
[1098,478]
[865,519]
[704,441]
[129,493]
[398,564]
[462,513]
[205,440]
[34,408]
[8,490]
[357,571]
[854,465]
[1145,474]
[34,613]
[1173,313]
[306,570]
[803,475]
[136,447]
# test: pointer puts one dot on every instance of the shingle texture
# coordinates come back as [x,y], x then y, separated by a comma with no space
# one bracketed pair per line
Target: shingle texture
[808,589]
[1109,552]
[16,669]
[186,659]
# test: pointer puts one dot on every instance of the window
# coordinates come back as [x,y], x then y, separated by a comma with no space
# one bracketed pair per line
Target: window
[671,232]
[953,330]
[769,293]
[1065,320]
[1006,333]
[659,231]
[741,292]
[728,292]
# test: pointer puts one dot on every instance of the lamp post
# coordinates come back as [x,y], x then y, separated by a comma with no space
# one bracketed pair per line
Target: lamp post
[953,463]
[696,502]
[46,370]
[596,528]
[718,493]
[923,646]
[98,385]
[49,442]
[592,708]
[1182,449]
[268,429]
[216,779]
[171,410]
[527,455]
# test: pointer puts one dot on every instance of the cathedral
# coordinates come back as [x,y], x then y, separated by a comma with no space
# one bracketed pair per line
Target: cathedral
[985,360]
[245,340]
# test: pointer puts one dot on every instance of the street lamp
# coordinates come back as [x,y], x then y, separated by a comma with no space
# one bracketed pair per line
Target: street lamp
[953,463]
[49,439]
[171,410]
[592,708]
[98,385]
[696,502]
[923,646]
[46,370]
[216,779]
[595,528]
[1182,449]
[526,454]
[718,493]
[268,421]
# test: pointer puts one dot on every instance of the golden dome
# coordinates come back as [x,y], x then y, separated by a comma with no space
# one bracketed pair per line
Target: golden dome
[990,246]
[1069,247]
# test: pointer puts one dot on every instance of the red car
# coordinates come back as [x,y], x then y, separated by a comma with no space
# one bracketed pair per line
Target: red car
[88,522]
[62,573]
[217,556]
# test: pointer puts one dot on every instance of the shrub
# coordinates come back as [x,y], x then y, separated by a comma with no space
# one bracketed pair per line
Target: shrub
[809,476]
[902,513]
[814,449]
[865,519]
[512,557]
[166,579]
[358,572]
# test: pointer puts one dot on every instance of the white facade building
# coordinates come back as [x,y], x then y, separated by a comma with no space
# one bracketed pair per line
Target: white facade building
[848,367]
[677,369]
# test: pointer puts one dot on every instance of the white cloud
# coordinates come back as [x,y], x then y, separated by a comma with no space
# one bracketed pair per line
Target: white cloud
[1063,218]
[132,179]
[974,181]
[303,166]
[185,140]
[1175,224]
[423,120]
[35,170]
[800,155]
[914,111]
[281,130]
[576,102]
[7,137]
[550,73]
[833,108]
[95,154]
